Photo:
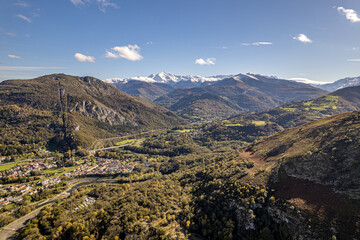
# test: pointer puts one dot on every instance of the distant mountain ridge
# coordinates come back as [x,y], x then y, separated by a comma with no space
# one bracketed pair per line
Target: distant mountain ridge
[176,81]
[331,86]
[157,85]
[172,82]
[339,84]
[240,93]
[147,90]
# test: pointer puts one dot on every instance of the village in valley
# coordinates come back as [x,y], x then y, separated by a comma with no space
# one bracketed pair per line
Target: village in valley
[32,181]
[29,177]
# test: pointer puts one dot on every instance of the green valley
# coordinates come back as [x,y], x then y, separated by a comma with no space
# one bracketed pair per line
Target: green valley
[248,177]
[179,120]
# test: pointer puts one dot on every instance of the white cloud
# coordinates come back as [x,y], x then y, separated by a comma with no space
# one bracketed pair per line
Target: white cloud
[354,60]
[11,34]
[77,2]
[307,81]
[350,14]
[150,43]
[83,58]
[21,4]
[208,61]
[24,18]
[256,43]
[355,48]
[111,55]
[261,43]
[129,52]
[12,68]
[303,38]
[102,4]
[14,56]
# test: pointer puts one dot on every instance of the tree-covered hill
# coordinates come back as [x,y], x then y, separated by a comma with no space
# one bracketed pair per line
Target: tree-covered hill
[82,109]
[324,151]
[300,112]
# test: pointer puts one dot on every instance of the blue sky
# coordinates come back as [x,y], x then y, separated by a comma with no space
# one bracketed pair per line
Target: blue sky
[317,40]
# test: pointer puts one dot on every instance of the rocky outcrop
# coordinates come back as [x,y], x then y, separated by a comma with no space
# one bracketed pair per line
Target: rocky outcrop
[101,113]
[281,219]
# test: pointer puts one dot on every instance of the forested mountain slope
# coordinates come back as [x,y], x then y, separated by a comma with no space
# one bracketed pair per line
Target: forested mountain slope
[81,108]
[300,112]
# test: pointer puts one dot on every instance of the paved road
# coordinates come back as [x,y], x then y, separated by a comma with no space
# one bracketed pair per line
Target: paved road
[9,232]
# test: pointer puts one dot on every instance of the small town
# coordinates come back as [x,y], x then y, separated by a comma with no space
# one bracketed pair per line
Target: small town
[14,193]
[102,167]
[29,169]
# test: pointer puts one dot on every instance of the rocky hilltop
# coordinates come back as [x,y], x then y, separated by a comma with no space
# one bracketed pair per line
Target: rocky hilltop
[316,167]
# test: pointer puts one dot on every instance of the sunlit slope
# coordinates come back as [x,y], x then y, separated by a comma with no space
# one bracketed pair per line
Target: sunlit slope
[91,109]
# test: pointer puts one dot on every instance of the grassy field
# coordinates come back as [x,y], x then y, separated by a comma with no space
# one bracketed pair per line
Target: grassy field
[259,123]
[256,123]
[66,170]
[127,141]
[183,130]
[289,109]
[52,170]
[10,165]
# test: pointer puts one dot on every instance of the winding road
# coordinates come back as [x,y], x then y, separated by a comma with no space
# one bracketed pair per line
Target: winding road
[9,231]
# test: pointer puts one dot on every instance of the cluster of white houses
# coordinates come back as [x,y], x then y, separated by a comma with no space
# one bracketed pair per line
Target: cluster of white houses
[15,193]
[102,167]
[24,189]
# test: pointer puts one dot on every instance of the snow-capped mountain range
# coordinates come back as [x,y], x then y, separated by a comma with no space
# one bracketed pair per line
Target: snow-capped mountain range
[339,84]
[188,81]
[171,79]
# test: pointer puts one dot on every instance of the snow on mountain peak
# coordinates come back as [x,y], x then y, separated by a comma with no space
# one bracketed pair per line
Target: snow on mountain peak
[168,78]
[163,77]
[249,75]
[342,83]
[189,81]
